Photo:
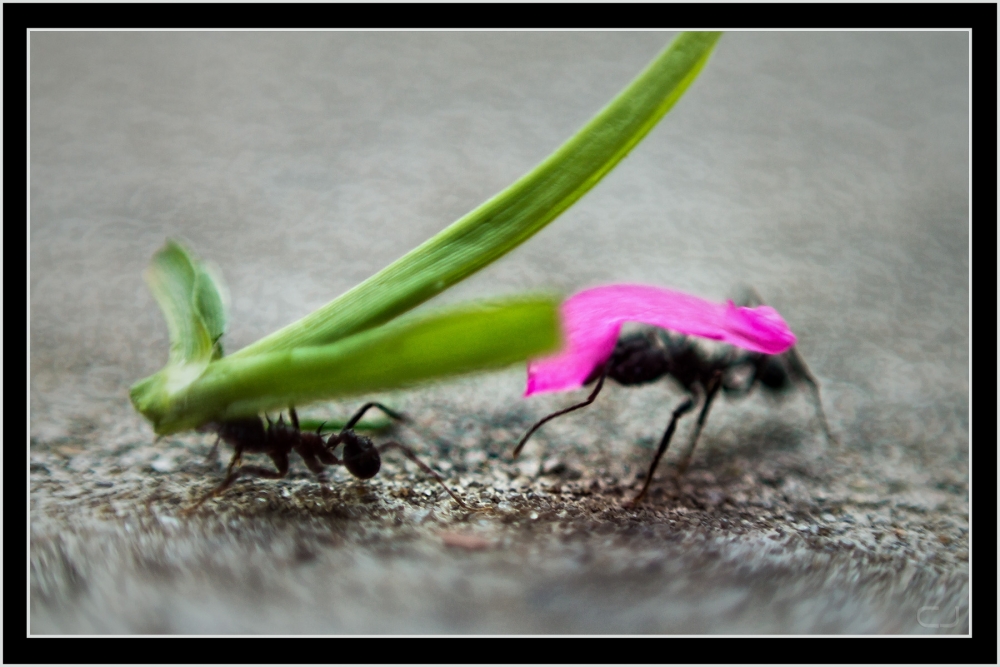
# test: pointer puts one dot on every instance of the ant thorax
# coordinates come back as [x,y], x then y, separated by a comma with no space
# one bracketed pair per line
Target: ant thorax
[712,351]
[734,362]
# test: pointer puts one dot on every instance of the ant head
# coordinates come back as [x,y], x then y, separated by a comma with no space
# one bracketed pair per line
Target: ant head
[772,374]
[361,458]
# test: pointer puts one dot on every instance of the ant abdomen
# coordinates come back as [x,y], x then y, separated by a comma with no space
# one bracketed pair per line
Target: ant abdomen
[247,433]
[636,360]
[361,458]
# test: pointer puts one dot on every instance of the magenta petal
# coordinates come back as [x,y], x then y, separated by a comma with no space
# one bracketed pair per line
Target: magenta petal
[592,320]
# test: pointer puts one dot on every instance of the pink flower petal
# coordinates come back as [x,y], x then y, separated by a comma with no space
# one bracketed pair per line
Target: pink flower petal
[593,318]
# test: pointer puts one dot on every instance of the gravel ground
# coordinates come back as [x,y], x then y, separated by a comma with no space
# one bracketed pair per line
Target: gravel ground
[829,170]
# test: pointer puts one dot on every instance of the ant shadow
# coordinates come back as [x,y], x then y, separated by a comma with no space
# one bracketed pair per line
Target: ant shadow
[768,450]
[751,443]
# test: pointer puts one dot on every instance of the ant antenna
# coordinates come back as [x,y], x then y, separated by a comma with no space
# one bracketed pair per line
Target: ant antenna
[799,368]
[590,399]
[427,469]
[398,416]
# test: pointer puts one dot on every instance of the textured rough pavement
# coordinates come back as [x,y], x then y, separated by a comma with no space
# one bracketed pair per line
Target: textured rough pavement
[829,170]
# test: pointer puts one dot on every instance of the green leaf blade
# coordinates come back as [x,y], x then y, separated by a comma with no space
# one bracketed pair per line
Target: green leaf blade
[189,295]
[173,277]
[209,302]
[514,215]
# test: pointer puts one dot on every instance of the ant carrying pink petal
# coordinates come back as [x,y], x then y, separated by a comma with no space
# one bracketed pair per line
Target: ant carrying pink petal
[760,353]
[592,320]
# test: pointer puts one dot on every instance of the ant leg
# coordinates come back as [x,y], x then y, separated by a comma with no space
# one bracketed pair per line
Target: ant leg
[590,399]
[337,438]
[295,420]
[427,469]
[213,454]
[799,369]
[325,455]
[280,460]
[365,408]
[681,410]
[310,456]
[310,446]
[713,389]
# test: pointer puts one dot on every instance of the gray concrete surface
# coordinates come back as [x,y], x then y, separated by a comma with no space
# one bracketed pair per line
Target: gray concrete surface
[829,170]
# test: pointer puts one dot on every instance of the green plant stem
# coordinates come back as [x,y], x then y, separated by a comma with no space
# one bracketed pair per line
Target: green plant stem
[511,217]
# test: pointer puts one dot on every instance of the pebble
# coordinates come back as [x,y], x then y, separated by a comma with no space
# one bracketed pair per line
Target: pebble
[553,466]
[164,465]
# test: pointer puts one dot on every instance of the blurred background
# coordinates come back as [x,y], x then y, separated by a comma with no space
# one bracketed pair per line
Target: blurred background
[830,170]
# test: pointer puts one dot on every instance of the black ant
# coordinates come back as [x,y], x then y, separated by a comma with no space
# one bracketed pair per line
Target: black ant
[360,456]
[646,356]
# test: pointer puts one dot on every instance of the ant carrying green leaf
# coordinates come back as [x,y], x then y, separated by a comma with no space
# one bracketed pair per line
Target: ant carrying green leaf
[361,457]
